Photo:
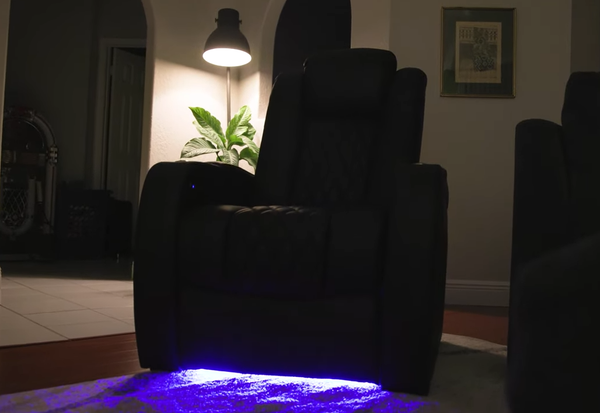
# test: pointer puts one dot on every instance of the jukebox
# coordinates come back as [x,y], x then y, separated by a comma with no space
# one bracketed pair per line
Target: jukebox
[27,186]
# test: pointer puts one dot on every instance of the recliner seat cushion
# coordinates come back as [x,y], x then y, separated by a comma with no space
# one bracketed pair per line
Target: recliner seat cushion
[275,250]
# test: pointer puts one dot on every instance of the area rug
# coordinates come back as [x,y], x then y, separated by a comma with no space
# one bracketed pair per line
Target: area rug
[469,378]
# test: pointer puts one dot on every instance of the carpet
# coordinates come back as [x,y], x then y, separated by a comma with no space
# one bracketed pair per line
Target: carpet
[469,378]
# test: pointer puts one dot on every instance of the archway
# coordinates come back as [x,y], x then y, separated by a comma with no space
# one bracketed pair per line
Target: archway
[148,90]
[267,44]
[307,27]
[338,13]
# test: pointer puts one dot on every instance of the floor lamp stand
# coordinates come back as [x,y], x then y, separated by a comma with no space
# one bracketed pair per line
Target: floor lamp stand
[228,95]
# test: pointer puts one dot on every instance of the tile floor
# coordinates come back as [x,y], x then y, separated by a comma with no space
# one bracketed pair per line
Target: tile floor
[62,301]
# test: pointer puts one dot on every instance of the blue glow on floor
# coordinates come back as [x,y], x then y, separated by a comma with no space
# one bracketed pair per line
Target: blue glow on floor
[211,391]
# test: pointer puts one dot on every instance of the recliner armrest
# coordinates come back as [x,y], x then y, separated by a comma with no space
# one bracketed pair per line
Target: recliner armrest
[540,201]
[540,191]
[171,186]
[168,189]
[203,182]
[413,288]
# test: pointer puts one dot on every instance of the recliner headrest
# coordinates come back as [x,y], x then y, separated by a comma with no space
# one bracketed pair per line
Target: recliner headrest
[582,101]
[350,81]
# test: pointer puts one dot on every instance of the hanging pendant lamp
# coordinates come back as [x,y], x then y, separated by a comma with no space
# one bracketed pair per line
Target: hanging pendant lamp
[227,46]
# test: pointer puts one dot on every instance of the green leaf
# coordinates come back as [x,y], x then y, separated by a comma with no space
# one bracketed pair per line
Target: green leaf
[197,147]
[234,140]
[250,132]
[235,157]
[239,124]
[223,157]
[208,126]
[216,141]
[253,147]
[231,157]
[249,156]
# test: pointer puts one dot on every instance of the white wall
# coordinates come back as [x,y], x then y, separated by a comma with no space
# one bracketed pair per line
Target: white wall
[474,138]
[585,40]
[371,23]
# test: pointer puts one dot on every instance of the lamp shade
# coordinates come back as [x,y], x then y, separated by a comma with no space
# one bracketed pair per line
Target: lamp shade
[227,46]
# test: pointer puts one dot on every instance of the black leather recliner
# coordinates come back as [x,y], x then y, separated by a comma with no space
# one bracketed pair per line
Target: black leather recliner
[330,262]
[553,359]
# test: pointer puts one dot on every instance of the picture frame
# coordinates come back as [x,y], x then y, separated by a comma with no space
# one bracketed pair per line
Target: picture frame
[478,52]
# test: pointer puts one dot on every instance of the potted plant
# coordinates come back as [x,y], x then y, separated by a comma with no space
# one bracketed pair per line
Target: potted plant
[231,146]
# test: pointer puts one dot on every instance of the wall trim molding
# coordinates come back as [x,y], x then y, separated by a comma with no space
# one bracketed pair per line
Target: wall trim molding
[477,293]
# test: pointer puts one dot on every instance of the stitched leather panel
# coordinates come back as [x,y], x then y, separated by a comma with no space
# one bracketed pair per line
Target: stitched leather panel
[355,251]
[281,251]
[335,161]
[202,241]
[277,250]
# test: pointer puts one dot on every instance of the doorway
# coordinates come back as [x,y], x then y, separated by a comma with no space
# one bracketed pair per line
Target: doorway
[119,116]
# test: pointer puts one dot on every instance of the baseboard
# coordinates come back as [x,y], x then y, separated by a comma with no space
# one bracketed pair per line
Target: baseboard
[481,293]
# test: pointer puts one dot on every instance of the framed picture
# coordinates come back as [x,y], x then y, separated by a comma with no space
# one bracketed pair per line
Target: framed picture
[478,52]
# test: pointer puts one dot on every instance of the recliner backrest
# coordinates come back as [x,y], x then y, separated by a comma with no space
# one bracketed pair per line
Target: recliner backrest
[334,130]
[581,126]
